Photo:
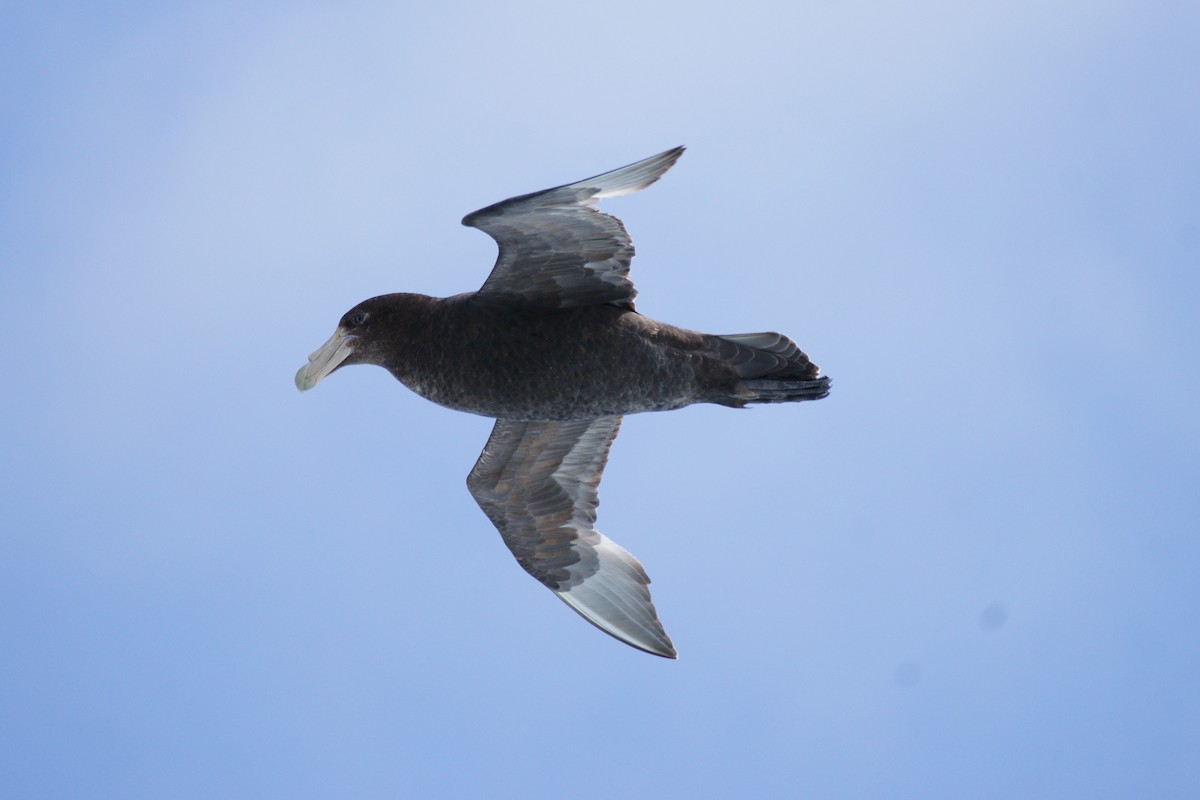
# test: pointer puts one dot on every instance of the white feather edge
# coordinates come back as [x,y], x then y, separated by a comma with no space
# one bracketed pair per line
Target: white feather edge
[631,178]
[615,599]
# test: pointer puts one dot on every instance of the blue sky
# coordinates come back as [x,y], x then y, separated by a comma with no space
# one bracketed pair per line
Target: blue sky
[970,572]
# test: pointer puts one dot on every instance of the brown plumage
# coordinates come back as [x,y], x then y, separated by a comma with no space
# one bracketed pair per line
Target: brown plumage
[552,347]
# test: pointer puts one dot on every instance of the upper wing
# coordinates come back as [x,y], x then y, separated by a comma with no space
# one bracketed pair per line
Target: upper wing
[557,250]
[537,483]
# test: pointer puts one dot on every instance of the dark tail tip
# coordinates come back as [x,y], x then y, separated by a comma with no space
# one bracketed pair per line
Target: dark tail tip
[768,390]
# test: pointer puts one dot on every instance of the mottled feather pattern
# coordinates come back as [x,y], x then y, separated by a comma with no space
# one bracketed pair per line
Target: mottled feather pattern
[552,348]
[547,517]
[540,515]
[557,249]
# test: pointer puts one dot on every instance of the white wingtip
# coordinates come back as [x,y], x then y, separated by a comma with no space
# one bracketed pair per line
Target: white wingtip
[631,178]
[615,599]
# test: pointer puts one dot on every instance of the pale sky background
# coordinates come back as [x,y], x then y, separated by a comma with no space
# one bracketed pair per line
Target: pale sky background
[972,572]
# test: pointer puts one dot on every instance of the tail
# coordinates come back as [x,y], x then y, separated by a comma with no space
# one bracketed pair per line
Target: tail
[772,368]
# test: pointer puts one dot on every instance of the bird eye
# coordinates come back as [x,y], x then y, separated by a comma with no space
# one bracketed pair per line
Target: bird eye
[359,318]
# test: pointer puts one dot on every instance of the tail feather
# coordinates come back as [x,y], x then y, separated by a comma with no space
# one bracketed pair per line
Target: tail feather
[772,367]
[757,355]
[771,391]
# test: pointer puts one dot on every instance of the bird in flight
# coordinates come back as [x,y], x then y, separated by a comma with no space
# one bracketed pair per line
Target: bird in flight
[552,349]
